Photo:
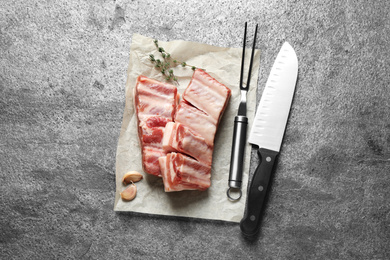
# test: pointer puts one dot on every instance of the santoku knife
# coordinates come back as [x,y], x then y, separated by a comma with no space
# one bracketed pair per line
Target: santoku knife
[268,130]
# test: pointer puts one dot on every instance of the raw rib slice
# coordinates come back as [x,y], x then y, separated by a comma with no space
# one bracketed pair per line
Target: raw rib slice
[180,138]
[207,94]
[155,104]
[180,172]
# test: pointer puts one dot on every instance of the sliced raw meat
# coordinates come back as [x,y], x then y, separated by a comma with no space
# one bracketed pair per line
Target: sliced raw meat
[155,103]
[207,94]
[180,138]
[196,120]
[180,172]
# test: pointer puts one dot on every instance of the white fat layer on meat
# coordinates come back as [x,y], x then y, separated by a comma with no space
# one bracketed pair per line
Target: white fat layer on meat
[167,138]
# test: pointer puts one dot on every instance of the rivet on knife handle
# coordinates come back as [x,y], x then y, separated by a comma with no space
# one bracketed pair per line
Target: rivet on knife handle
[240,129]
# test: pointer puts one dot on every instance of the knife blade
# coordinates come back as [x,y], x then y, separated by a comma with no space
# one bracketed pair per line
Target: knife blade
[268,130]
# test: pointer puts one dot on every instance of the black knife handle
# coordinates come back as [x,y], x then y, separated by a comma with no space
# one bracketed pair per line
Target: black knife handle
[238,150]
[257,192]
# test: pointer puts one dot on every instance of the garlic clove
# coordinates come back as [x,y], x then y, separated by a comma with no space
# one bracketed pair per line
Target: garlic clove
[131,177]
[129,193]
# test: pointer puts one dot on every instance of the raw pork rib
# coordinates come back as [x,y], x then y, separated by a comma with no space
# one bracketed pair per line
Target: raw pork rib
[155,103]
[207,94]
[193,132]
[181,172]
[178,137]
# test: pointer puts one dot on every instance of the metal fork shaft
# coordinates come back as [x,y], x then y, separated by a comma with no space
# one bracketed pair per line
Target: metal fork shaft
[237,155]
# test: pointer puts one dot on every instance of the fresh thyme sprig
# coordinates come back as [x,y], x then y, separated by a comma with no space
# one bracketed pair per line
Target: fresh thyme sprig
[165,65]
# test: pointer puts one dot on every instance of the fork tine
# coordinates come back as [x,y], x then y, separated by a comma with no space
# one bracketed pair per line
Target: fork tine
[242,59]
[251,62]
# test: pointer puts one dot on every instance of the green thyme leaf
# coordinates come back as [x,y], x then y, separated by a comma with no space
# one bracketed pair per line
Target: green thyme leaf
[165,65]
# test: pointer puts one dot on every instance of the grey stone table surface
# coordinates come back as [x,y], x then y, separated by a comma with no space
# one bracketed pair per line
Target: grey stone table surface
[62,80]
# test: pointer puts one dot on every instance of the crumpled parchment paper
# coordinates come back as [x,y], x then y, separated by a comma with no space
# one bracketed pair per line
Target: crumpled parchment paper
[223,64]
